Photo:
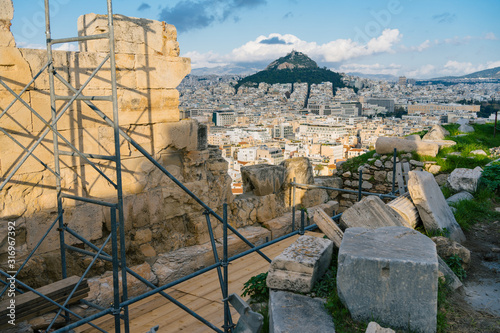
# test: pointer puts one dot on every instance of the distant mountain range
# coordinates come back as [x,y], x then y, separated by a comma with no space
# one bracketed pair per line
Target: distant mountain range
[294,67]
[492,73]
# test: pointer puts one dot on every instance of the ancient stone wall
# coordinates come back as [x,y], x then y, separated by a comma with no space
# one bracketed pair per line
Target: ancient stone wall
[164,227]
[159,217]
[376,176]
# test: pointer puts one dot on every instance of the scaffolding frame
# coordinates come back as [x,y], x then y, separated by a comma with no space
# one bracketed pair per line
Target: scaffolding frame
[119,309]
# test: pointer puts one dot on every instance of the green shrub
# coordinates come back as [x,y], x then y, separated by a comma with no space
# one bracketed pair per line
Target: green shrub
[256,288]
[491,176]
[455,264]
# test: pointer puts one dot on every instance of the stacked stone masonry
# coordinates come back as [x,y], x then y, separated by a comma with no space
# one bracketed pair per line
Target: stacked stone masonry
[161,221]
[377,177]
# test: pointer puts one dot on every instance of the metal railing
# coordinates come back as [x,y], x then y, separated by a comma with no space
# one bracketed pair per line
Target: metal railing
[121,302]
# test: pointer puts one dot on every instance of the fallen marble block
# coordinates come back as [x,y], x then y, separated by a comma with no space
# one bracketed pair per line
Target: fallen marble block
[390,274]
[301,264]
[432,206]
[370,212]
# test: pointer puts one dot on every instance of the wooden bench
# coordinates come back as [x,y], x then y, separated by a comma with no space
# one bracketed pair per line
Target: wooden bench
[30,305]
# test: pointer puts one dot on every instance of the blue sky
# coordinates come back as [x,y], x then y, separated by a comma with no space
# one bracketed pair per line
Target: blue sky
[416,38]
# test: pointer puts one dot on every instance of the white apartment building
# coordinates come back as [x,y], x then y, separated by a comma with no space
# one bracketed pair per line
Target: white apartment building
[322,132]
[247,154]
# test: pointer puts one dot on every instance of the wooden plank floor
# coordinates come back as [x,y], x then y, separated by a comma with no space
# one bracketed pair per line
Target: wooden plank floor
[201,294]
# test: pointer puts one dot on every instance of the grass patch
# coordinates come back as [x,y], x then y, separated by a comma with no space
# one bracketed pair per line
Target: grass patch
[353,164]
[447,192]
[480,209]
[443,306]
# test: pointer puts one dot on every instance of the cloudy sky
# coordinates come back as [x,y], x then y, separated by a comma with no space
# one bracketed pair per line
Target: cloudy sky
[416,38]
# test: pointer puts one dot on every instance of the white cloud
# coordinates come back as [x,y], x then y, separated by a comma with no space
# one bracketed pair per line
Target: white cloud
[424,45]
[453,67]
[67,47]
[391,69]
[334,51]
[490,36]
[421,72]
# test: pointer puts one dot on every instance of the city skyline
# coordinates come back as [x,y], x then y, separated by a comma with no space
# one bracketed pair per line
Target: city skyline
[420,39]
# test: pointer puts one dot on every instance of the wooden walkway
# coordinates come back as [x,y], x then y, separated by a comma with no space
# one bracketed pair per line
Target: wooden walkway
[201,294]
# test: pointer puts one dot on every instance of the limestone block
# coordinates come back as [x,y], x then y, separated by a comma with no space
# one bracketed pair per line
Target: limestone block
[330,208]
[179,135]
[446,248]
[87,220]
[267,208]
[18,118]
[373,327]
[147,250]
[12,154]
[437,132]
[14,69]
[6,15]
[176,264]
[442,143]
[462,179]
[7,10]
[82,64]
[301,169]
[132,35]
[380,176]
[101,287]
[432,168]
[143,236]
[391,274]
[328,226]
[314,197]
[431,204]
[37,58]
[414,137]
[464,195]
[328,181]
[370,212]
[160,72]
[386,145]
[262,179]
[405,207]
[148,106]
[466,128]
[478,152]
[179,263]
[293,313]
[301,264]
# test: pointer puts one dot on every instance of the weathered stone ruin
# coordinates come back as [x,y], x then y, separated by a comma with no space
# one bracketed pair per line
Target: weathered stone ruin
[166,232]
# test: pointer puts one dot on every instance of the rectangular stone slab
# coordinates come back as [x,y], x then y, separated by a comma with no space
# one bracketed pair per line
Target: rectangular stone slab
[328,226]
[389,274]
[370,212]
[432,206]
[301,264]
[292,313]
